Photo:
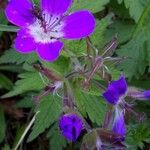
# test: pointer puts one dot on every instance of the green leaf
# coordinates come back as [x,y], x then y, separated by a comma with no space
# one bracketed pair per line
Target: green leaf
[2,124]
[122,29]
[93,90]
[93,106]
[11,68]
[136,8]
[27,102]
[12,56]
[30,81]
[2,18]
[18,135]
[137,49]
[137,135]
[57,141]
[49,110]
[93,6]
[5,82]
[61,66]
[98,35]
[6,147]
[119,9]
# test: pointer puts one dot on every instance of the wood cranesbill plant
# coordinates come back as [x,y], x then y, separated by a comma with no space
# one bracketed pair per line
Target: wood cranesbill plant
[42,30]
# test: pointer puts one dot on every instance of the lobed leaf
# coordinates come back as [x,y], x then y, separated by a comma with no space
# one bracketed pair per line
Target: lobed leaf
[136,8]
[93,6]
[2,124]
[12,56]
[57,141]
[137,49]
[29,81]
[5,82]
[90,105]
[49,110]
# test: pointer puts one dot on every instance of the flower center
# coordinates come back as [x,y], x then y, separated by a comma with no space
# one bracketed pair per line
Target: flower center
[46,28]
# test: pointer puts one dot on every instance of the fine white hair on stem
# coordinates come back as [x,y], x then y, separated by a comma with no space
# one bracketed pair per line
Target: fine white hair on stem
[43,79]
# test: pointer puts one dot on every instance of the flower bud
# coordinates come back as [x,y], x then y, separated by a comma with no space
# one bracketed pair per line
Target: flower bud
[70,126]
[139,94]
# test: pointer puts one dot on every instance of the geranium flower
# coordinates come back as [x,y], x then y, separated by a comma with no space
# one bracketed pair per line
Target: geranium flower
[41,30]
[114,95]
[70,126]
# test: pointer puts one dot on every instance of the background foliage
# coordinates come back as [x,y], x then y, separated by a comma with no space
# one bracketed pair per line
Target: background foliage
[129,21]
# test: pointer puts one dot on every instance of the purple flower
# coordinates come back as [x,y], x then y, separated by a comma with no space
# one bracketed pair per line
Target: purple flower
[42,29]
[70,125]
[119,124]
[116,89]
[115,92]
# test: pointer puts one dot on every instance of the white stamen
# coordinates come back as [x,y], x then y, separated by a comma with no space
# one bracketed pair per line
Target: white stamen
[53,29]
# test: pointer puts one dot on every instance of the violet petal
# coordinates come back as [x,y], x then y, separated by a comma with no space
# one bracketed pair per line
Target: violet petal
[119,124]
[146,95]
[55,7]
[111,95]
[78,25]
[49,51]
[115,90]
[70,126]
[24,43]
[19,13]
[120,85]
